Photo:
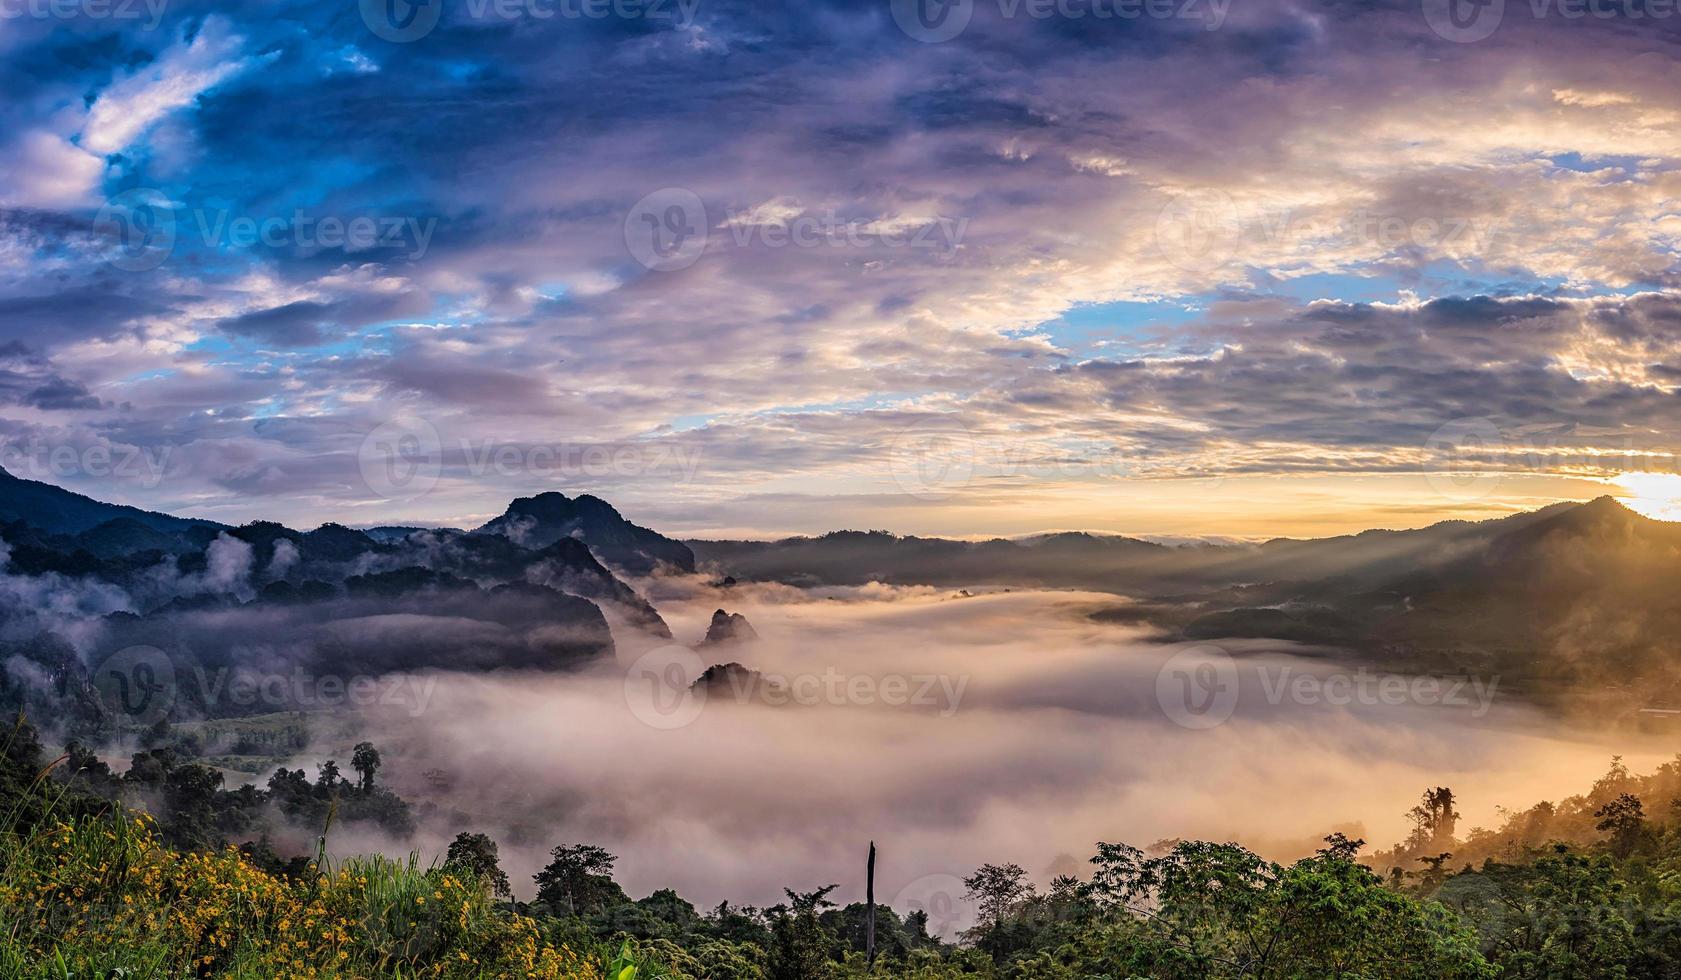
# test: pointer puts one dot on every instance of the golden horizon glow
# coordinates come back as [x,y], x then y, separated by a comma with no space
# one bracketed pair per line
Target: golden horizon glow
[1654,495]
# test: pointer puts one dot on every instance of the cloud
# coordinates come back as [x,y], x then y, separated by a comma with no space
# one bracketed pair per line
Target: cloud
[1058,729]
[135,101]
[1097,241]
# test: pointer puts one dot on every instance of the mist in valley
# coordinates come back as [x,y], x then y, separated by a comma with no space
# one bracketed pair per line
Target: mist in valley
[952,730]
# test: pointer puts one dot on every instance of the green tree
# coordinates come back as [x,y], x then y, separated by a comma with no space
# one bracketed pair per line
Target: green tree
[995,889]
[800,943]
[1624,818]
[578,881]
[365,760]
[475,856]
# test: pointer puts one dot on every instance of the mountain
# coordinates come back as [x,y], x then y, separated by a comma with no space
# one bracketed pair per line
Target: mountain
[1573,596]
[540,521]
[1570,598]
[264,600]
[55,510]
[728,627]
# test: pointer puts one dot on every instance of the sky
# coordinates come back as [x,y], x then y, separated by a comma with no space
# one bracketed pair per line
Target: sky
[984,267]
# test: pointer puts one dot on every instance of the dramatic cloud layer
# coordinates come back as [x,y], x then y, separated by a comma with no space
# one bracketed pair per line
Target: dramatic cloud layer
[752,270]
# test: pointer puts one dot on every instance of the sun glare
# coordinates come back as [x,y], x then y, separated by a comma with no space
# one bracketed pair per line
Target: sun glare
[1656,495]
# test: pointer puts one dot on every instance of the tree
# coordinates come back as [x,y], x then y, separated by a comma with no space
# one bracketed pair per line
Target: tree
[800,943]
[996,889]
[475,855]
[1624,819]
[328,779]
[578,880]
[365,760]
[1435,870]
[1434,820]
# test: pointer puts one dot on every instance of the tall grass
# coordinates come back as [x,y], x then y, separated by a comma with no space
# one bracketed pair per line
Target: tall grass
[100,896]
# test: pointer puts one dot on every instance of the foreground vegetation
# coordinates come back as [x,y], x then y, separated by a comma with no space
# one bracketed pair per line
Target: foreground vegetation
[90,887]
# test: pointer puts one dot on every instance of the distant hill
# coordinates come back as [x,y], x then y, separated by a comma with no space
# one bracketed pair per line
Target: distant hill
[855,557]
[1574,596]
[55,510]
[334,601]
[540,521]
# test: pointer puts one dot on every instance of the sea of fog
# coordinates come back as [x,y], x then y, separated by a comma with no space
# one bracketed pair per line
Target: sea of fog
[951,730]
